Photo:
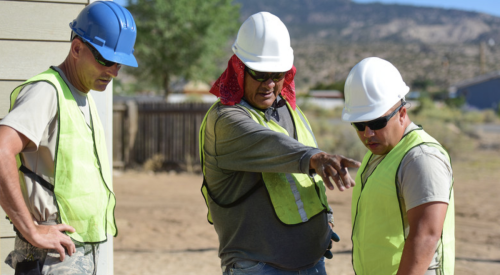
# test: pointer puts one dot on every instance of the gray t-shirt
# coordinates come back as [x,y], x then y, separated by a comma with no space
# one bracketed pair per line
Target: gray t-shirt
[34,115]
[425,175]
[237,151]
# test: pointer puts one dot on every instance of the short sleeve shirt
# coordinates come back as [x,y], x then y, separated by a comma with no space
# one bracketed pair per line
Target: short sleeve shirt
[425,175]
[34,115]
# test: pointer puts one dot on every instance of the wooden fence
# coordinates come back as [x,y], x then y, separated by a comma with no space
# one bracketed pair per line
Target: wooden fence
[142,130]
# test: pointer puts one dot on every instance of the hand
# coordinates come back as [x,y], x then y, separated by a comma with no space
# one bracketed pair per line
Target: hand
[51,237]
[334,166]
[328,254]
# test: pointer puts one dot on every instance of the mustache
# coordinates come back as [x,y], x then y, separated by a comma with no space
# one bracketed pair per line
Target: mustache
[372,140]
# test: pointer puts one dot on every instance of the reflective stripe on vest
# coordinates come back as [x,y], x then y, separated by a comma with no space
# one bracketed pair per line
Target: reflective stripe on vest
[82,178]
[296,197]
[378,230]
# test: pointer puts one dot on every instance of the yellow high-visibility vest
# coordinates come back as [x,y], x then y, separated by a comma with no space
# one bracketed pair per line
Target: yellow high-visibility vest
[378,234]
[82,180]
[296,197]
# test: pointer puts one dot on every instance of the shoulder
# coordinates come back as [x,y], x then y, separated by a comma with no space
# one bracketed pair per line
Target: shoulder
[425,156]
[38,86]
[34,110]
[425,175]
[226,113]
[40,91]
[39,95]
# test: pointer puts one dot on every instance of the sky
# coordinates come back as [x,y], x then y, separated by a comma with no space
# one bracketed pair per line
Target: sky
[486,6]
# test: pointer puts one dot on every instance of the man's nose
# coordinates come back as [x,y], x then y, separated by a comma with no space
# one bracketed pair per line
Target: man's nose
[113,70]
[368,132]
[269,83]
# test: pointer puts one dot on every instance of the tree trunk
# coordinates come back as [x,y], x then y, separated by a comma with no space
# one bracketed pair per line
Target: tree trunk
[166,85]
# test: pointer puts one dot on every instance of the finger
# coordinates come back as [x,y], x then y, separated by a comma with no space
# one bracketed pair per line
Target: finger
[60,250]
[347,162]
[335,176]
[328,254]
[335,237]
[346,178]
[342,172]
[351,181]
[65,227]
[328,183]
[68,244]
[321,172]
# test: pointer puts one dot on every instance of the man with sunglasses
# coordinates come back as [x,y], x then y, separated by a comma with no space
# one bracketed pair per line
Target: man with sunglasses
[61,201]
[402,205]
[259,155]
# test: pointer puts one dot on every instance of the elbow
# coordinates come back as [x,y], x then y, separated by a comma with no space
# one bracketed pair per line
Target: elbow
[432,238]
[427,238]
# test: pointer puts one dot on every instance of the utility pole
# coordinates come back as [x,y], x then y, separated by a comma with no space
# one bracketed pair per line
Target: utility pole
[482,58]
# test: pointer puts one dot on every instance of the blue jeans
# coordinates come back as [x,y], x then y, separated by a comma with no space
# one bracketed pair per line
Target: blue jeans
[254,268]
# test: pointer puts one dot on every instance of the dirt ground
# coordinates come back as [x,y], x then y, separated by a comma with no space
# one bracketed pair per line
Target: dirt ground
[163,229]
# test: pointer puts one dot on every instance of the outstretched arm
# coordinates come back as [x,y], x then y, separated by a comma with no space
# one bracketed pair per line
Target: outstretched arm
[426,224]
[12,201]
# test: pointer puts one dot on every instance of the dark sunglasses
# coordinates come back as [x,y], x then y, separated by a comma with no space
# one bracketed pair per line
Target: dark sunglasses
[263,76]
[378,123]
[98,57]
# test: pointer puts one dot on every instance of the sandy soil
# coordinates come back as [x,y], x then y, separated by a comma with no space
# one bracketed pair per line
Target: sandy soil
[163,230]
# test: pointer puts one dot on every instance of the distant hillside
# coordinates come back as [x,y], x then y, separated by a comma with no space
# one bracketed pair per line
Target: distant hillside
[331,36]
[343,20]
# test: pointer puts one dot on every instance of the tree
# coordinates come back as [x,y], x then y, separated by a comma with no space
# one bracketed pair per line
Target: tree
[181,38]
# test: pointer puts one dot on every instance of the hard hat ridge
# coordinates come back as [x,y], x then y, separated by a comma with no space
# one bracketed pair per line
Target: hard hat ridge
[110,28]
[372,87]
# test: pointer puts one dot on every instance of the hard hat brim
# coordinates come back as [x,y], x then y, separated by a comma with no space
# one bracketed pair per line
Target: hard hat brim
[367,113]
[124,59]
[118,57]
[267,64]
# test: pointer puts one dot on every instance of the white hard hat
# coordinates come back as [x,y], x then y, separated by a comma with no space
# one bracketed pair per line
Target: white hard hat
[263,44]
[372,88]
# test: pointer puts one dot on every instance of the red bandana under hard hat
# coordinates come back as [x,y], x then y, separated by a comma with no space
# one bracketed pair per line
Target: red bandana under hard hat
[229,86]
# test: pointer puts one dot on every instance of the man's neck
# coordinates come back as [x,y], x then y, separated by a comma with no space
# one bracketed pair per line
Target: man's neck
[69,69]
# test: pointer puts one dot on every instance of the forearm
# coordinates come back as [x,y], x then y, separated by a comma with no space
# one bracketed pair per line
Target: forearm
[238,143]
[417,254]
[272,158]
[11,197]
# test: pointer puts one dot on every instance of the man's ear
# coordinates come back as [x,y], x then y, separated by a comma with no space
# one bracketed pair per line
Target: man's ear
[76,48]
[402,115]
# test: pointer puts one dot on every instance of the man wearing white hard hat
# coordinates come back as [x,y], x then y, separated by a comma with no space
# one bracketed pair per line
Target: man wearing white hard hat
[55,184]
[259,157]
[402,205]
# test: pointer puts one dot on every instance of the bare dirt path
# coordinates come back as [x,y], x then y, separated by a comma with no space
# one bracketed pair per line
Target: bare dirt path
[163,229]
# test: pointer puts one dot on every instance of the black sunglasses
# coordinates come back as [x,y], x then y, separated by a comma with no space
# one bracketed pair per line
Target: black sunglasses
[378,123]
[263,76]
[98,57]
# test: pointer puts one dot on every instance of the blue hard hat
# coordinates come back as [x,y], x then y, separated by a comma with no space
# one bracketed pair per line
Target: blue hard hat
[110,28]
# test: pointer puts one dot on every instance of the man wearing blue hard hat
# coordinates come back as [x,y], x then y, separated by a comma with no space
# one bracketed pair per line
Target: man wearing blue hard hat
[55,184]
